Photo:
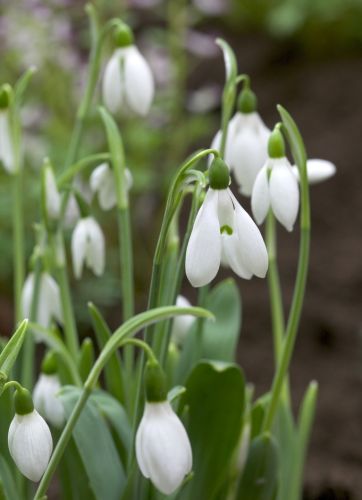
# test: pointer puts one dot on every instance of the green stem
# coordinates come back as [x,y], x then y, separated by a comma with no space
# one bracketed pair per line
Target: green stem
[18,247]
[275,294]
[27,368]
[79,166]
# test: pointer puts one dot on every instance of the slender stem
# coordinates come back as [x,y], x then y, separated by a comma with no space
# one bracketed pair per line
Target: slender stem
[18,235]
[70,328]
[27,362]
[77,167]
[62,443]
[276,302]
[127,281]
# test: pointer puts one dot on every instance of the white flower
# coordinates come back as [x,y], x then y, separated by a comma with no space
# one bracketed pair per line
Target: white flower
[317,170]
[246,148]
[276,185]
[6,146]
[128,82]
[223,230]
[181,324]
[49,304]
[88,246]
[45,400]
[163,448]
[52,196]
[30,444]
[72,212]
[102,182]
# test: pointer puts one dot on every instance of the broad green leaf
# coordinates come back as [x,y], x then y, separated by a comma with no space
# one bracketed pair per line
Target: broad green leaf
[7,479]
[220,337]
[285,435]
[95,445]
[259,479]
[214,403]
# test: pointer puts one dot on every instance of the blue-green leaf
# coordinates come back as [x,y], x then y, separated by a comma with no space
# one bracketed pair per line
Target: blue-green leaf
[214,405]
[7,480]
[96,447]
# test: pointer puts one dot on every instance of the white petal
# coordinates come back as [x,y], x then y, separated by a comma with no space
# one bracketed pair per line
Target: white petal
[72,212]
[181,324]
[253,253]
[95,248]
[30,444]
[284,193]
[162,447]
[138,81]
[204,247]
[260,199]
[97,176]
[45,400]
[317,170]
[113,85]
[51,290]
[6,147]
[79,247]
[231,250]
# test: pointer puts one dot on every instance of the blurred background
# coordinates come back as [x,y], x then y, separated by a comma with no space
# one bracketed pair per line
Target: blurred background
[304,54]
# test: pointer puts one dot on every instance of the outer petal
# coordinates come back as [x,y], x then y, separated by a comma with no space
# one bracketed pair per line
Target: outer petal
[95,252]
[97,177]
[45,400]
[138,81]
[53,200]
[260,199]
[51,290]
[113,85]
[317,170]
[252,252]
[181,324]
[163,448]
[79,243]
[284,193]
[203,252]
[30,444]
[6,147]
[231,249]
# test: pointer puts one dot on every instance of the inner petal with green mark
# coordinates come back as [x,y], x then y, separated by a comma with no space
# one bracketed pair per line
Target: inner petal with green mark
[225,229]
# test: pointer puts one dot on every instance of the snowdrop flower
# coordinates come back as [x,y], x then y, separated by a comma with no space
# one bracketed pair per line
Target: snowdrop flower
[45,400]
[163,449]
[181,324]
[276,186]
[246,144]
[51,195]
[317,170]
[6,145]
[88,246]
[49,303]
[29,438]
[102,182]
[223,231]
[128,82]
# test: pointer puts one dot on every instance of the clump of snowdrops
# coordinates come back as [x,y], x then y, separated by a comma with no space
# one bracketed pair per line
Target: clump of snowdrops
[168,411]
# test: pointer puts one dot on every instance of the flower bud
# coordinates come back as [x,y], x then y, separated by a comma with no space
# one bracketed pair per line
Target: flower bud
[247,101]
[276,144]
[29,438]
[123,35]
[219,177]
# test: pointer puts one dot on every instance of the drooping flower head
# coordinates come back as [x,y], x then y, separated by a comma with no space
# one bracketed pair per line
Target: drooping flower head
[88,246]
[102,183]
[29,438]
[163,448]
[181,324]
[223,231]
[128,82]
[247,141]
[49,303]
[7,157]
[45,393]
[276,186]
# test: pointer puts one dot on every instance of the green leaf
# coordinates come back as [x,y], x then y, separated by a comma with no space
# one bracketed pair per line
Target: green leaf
[229,59]
[214,402]
[220,337]
[11,350]
[96,448]
[113,369]
[285,435]
[260,476]
[294,138]
[7,480]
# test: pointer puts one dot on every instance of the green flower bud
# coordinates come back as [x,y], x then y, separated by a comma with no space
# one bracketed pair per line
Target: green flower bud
[155,383]
[5,96]
[49,364]
[123,35]
[276,144]
[247,101]
[219,177]
[23,401]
